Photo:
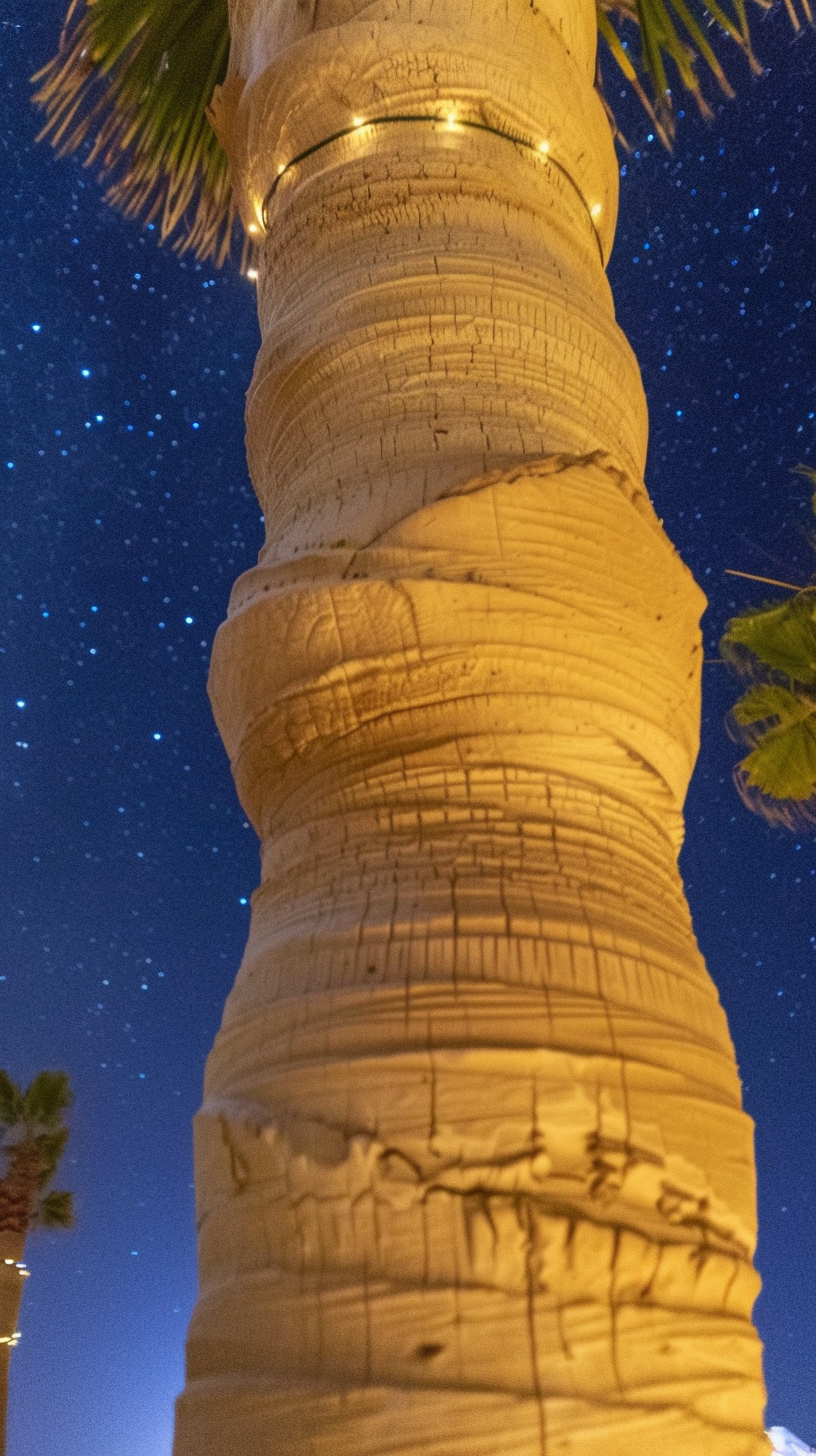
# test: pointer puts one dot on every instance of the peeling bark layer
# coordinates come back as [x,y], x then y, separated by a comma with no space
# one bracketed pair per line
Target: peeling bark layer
[472,1170]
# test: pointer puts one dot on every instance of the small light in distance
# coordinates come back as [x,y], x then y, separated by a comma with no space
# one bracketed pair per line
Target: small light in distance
[252,273]
[358,121]
[544,147]
[595,210]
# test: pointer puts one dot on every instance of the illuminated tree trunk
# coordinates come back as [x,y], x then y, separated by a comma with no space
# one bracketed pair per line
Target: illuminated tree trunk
[472,1171]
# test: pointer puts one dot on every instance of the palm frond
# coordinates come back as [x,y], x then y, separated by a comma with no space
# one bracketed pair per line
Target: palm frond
[11,1101]
[776,639]
[673,36]
[46,1100]
[56,1210]
[777,779]
[774,649]
[133,79]
[50,1147]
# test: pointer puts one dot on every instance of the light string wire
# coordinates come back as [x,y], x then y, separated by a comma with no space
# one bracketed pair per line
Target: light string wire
[449,124]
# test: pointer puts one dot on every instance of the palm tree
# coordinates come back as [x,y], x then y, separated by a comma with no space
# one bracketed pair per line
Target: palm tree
[773,648]
[473,1173]
[32,1139]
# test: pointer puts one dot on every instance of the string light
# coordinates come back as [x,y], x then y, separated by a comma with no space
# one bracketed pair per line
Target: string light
[454,122]
[253,227]
[252,273]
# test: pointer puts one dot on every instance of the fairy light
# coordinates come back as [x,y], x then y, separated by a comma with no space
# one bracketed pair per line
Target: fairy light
[454,123]
[253,228]
[252,273]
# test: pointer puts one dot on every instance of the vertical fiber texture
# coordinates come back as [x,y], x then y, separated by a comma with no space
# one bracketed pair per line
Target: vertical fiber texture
[472,1171]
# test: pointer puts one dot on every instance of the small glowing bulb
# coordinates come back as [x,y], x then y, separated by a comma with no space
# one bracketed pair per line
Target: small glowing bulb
[253,227]
[358,121]
[451,118]
[251,272]
[281,169]
[595,210]
[544,147]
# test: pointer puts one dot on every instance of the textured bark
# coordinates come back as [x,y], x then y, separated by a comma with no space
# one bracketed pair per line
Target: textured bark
[472,1170]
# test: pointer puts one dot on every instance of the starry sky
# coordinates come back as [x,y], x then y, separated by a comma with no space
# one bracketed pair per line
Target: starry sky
[127,862]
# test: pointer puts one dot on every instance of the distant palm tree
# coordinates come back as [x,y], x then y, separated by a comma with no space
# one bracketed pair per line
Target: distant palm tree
[32,1140]
[773,648]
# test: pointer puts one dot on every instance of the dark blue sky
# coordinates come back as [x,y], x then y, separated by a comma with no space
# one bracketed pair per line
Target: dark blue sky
[127,861]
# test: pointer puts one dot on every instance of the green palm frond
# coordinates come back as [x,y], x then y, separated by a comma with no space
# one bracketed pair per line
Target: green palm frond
[50,1147]
[778,777]
[11,1101]
[56,1210]
[134,79]
[778,639]
[673,38]
[774,651]
[46,1100]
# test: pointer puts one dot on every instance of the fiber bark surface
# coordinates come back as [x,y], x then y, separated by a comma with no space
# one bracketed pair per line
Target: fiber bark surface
[472,1171]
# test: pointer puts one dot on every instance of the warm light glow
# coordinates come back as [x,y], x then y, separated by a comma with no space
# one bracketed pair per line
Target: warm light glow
[595,210]
[358,121]
[544,147]
[253,227]
[451,117]
[281,169]
[252,273]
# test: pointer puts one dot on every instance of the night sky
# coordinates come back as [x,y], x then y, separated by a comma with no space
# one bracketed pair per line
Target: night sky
[127,862]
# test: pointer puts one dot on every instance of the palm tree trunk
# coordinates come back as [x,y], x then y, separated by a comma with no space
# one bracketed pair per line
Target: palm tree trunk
[472,1171]
[12,1247]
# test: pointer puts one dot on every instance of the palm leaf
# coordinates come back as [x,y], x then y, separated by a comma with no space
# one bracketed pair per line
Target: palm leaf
[133,78]
[673,35]
[46,1100]
[781,639]
[778,777]
[132,82]
[50,1147]
[56,1210]
[11,1101]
